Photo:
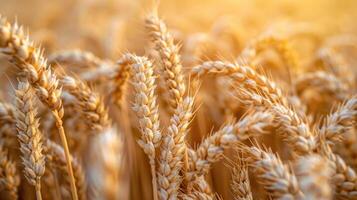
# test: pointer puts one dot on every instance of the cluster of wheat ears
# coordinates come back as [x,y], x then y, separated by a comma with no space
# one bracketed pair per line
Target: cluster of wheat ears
[75,123]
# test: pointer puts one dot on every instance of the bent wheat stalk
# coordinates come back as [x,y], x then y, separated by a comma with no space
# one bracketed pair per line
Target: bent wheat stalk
[30,60]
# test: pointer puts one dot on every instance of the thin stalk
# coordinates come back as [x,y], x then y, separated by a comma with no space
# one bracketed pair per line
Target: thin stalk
[67,154]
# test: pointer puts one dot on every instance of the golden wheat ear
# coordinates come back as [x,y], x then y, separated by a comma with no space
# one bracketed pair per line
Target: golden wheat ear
[172,151]
[339,122]
[169,59]
[344,178]
[31,62]
[30,137]
[90,102]
[146,108]
[276,177]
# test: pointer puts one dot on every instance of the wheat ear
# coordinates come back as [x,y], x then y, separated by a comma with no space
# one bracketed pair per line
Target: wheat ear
[211,149]
[146,108]
[322,82]
[276,177]
[30,137]
[256,90]
[243,75]
[339,122]
[90,102]
[9,177]
[344,178]
[120,79]
[172,150]
[29,59]
[293,128]
[169,57]
[313,174]
[240,182]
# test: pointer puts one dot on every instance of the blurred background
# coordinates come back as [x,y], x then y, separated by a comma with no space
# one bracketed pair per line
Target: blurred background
[108,27]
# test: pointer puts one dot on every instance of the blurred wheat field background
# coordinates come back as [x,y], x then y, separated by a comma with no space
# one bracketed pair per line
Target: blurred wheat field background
[133,99]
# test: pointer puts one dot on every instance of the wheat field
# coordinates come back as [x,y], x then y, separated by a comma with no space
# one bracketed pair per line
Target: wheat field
[178,99]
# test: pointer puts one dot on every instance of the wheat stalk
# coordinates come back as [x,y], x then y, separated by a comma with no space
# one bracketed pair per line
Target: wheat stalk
[30,137]
[29,59]
[56,156]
